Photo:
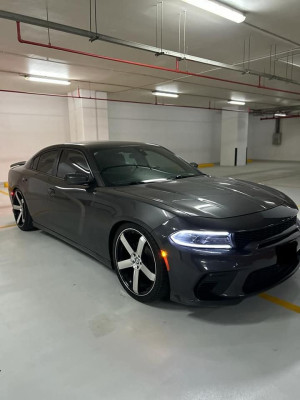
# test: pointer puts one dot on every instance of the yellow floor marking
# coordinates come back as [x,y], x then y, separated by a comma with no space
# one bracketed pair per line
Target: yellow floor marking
[279,302]
[7,226]
[206,165]
[3,192]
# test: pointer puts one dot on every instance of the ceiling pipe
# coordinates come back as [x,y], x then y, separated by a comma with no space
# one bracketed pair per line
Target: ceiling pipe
[138,46]
[156,67]
[274,110]
[287,117]
[272,34]
[105,38]
[69,96]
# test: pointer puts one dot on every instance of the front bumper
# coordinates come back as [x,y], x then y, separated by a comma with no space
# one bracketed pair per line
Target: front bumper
[228,276]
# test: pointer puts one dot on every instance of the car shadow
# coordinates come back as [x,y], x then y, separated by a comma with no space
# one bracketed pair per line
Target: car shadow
[74,248]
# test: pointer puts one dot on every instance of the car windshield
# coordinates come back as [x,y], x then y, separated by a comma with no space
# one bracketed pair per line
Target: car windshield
[137,164]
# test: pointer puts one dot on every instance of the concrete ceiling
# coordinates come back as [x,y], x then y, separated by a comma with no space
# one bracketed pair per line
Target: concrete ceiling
[207,36]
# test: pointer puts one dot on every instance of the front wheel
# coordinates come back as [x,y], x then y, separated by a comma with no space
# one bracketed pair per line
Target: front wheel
[139,265]
[21,213]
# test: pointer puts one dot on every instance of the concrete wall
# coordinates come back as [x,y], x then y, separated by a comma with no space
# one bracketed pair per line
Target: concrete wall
[234,133]
[260,145]
[193,134]
[29,123]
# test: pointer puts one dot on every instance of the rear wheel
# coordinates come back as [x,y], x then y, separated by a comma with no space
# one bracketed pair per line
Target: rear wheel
[139,265]
[21,213]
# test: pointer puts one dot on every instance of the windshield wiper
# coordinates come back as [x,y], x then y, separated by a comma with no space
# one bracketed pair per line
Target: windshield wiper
[148,181]
[184,176]
[122,165]
[159,180]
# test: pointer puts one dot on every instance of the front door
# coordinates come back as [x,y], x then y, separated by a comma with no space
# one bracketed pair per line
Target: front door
[70,203]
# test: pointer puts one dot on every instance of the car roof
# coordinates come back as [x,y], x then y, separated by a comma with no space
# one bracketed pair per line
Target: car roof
[97,145]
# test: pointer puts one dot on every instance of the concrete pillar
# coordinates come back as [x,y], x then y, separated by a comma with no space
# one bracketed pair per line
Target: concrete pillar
[88,118]
[234,138]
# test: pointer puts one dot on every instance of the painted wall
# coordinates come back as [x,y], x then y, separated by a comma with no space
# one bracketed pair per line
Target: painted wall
[88,118]
[191,133]
[29,123]
[260,145]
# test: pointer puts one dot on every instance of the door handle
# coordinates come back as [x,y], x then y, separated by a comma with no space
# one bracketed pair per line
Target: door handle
[51,192]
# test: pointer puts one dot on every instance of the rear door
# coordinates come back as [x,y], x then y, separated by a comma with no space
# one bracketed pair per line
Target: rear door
[38,187]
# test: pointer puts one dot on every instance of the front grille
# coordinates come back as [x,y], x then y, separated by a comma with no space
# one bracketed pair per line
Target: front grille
[213,285]
[287,262]
[243,238]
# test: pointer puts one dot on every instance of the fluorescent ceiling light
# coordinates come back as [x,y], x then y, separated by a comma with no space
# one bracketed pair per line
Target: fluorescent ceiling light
[237,102]
[280,114]
[218,9]
[47,80]
[164,94]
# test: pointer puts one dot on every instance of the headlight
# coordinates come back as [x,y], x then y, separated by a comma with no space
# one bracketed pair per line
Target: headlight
[203,239]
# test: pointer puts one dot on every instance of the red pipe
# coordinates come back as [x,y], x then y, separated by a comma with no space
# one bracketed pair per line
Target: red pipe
[177,71]
[114,100]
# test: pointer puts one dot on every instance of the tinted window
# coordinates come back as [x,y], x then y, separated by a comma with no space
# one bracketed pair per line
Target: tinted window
[46,161]
[160,161]
[140,164]
[34,163]
[72,162]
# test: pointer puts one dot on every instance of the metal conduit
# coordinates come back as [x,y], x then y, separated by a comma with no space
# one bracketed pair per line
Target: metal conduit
[116,101]
[139,46]
[177,70]
[98,36]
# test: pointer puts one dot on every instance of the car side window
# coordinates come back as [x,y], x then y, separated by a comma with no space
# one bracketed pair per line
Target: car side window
[34,163]
[72,162]
[47,161]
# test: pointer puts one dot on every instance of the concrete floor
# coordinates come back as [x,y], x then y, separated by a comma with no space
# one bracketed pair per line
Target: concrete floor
[68,331]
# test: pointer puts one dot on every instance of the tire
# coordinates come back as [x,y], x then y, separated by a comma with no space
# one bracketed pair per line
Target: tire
[22,216]
[139,265]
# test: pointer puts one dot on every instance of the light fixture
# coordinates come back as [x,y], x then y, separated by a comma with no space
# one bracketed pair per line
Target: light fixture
[164,94]
[236,102]
[46,79]
[218,9]
[280,114]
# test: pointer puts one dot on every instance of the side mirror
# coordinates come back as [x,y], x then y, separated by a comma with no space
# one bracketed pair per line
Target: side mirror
[77,179]
[194,164]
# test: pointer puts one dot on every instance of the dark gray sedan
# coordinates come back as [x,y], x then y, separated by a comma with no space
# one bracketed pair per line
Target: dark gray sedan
[167,229]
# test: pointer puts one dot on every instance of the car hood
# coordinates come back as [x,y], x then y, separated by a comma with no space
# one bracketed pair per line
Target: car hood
[210,197]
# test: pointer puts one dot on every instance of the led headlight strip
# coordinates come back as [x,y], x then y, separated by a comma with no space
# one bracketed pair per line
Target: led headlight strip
[202,239]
